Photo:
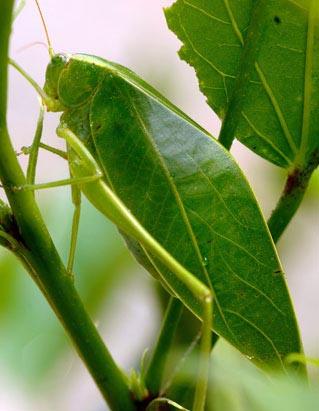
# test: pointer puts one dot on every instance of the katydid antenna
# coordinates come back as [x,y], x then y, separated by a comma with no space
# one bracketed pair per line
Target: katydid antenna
[51,52]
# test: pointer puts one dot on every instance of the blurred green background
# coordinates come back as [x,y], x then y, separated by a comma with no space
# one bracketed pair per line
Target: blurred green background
[38,368]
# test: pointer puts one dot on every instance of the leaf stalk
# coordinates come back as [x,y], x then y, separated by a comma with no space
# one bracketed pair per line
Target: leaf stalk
[291,198]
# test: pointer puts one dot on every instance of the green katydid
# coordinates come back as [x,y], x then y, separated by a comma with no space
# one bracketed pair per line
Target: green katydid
[128,148]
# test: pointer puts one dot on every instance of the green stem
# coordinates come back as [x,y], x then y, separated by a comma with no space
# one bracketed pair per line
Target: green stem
[156,367]
[294,191]
[43,258]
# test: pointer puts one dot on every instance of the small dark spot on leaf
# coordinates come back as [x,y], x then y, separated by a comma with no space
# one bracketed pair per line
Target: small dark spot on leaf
[98,127]
[277,19]
[277,272]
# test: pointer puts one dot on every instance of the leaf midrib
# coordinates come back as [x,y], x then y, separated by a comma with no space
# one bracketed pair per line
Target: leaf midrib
[251,46]
[313,17]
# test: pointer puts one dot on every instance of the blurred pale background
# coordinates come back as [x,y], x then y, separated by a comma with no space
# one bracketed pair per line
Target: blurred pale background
[38,371]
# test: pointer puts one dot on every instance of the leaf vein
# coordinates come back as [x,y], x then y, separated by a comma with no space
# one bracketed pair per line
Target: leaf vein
[250,285]
[226,238]
[234,22]
[277,109]
[219,195]
[267,139]
[282,46]
[261,332]
[204,12]
[200,55]
[293,2]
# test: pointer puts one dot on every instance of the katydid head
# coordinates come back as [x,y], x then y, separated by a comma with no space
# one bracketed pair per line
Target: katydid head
[56,65]
[70,81]
[53,72]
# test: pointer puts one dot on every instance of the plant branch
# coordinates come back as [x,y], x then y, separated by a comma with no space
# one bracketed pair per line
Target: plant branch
[156,367]
[43,259]
[292,196]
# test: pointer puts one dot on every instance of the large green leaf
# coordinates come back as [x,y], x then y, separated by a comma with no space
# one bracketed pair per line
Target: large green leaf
[189,193]
[257,62]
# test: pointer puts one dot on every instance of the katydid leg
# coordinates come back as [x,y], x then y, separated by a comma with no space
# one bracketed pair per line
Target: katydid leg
[33,83]
[65,182]
[27,150]
[205,296]
[34,150]
[76,200]
[53,150]
[106,200]
[204,354]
